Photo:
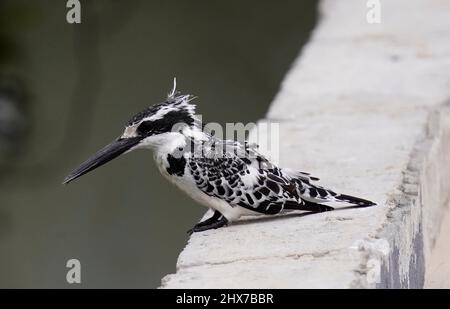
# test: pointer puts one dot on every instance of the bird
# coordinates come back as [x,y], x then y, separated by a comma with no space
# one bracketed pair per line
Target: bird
[231,178]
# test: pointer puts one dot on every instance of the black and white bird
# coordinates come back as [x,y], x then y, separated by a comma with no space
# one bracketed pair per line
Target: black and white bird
[231,178]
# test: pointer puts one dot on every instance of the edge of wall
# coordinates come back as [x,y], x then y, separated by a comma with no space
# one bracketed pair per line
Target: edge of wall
[414,220]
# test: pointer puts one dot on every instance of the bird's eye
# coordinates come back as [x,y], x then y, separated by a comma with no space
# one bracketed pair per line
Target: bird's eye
[144,128]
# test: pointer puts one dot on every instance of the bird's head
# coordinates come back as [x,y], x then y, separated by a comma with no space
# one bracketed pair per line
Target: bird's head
[158,126]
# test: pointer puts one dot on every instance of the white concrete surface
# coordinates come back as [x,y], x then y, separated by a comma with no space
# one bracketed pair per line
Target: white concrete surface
[363,109]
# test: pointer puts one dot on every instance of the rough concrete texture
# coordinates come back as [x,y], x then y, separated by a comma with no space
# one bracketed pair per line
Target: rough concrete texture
[437,275]
[363,108]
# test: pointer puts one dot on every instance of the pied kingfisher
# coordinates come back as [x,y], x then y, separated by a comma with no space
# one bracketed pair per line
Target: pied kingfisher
[229,177]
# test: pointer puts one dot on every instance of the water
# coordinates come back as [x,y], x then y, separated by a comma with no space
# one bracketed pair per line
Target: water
[124,222]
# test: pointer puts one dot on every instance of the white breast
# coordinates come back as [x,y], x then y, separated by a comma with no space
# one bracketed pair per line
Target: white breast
[187,184]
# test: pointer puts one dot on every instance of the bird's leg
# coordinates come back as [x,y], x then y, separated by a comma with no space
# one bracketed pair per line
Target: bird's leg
[216,215]
[217,220]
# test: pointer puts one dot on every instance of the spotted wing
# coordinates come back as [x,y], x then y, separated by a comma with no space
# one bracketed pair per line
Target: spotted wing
[240,175]
[241,183]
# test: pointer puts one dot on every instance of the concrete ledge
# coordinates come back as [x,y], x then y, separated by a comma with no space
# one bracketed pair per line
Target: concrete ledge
[363,109]
[418,206]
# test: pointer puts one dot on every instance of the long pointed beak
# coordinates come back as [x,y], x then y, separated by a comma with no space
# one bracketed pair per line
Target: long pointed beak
[109,152]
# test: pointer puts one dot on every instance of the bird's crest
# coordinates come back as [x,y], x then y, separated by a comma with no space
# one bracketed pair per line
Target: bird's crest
[171,94]
[175,103]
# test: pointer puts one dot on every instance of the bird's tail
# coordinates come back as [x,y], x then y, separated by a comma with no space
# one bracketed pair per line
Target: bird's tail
[318,194]
[354,200]
[309,191]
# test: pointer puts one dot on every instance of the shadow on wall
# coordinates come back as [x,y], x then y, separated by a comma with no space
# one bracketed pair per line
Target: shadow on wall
[80,84]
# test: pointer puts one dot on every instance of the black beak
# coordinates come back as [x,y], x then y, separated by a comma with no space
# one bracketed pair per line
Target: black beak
[109,152]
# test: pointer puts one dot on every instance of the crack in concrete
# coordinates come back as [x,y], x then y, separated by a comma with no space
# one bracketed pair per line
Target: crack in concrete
[295,256]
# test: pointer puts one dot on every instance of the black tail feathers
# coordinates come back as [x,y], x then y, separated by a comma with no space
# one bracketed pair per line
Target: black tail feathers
[308,206]
[354,200]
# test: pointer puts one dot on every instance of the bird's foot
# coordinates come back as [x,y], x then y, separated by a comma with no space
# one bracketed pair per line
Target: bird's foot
[215,222]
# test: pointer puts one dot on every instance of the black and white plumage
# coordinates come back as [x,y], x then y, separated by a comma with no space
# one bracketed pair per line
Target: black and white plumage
[229,177]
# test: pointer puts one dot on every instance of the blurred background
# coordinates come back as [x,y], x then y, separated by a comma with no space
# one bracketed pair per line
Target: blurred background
[68,89]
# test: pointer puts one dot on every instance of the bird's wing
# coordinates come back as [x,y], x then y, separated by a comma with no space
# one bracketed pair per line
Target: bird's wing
[238,183]
[242,177]
[260,161]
